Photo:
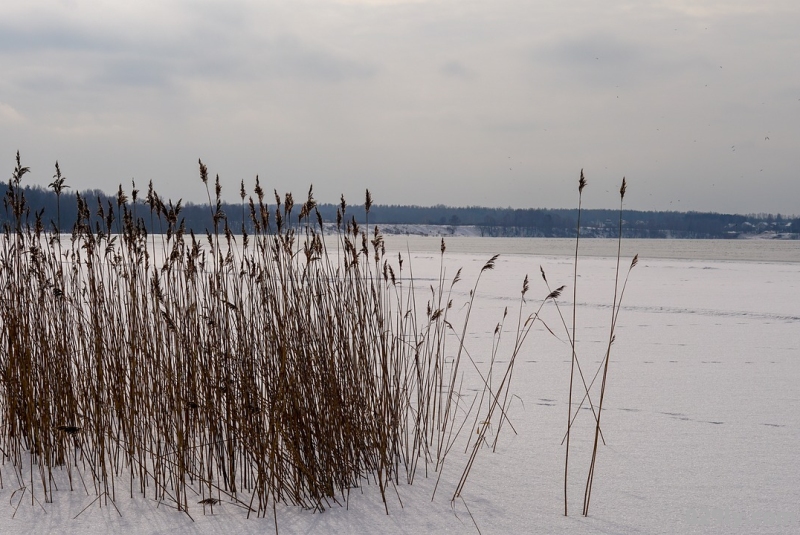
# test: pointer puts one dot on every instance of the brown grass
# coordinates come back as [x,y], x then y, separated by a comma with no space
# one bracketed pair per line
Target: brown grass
[252,369]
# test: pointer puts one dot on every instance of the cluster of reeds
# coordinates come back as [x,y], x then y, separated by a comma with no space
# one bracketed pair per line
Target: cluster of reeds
[254,368]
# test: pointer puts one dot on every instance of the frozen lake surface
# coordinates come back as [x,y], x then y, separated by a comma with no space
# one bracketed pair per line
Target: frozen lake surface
[701,417]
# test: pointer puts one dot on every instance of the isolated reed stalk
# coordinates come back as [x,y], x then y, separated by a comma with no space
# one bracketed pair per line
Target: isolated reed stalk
[581,185]
[616,303]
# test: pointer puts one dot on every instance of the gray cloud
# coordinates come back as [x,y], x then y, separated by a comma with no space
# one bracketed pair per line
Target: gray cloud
[134,72]
[288,56]
[456,69]
[214,45]
[42,37]
[604,60]
[423,102]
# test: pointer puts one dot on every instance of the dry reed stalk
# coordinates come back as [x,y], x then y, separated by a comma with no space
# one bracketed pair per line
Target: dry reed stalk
[616,304]
[575,363]
[581,185]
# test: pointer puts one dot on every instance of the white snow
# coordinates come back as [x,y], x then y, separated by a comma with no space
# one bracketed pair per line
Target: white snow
[701,416]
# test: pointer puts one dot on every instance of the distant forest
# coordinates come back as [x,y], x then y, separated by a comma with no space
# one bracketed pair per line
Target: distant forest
[530,222]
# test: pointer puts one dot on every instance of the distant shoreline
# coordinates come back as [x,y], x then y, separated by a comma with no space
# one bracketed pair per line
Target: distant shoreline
[436,220]
[475,231]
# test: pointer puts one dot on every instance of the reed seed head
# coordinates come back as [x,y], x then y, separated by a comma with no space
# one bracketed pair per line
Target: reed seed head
[490,263]
[203,172]
[555,294]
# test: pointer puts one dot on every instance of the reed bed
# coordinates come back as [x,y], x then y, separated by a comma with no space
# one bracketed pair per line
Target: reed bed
[257,369]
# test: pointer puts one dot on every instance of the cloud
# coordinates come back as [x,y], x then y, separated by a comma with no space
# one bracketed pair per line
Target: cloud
[721,8]
[39,37]
[378,3]
[604,60]
[456,69]
[134,72]
[425,92]
[205,46]
[10,115]
[289,56]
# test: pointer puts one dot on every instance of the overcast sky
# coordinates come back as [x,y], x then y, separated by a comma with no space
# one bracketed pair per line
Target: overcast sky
[492,103]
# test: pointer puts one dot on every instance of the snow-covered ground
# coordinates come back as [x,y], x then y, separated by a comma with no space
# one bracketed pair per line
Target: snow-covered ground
[701,416]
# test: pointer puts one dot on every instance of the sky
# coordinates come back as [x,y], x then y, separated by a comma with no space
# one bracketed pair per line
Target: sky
[492,103]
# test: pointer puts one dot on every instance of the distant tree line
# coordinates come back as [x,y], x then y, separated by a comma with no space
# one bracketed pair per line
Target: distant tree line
[61,209]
